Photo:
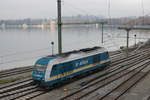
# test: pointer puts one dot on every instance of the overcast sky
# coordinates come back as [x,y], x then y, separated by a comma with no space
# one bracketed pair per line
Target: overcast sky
[19,9]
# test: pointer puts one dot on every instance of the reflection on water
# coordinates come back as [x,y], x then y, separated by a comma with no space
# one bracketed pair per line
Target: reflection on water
[21,47]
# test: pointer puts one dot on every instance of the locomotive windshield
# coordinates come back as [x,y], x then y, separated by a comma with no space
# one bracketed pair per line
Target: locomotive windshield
[39,67]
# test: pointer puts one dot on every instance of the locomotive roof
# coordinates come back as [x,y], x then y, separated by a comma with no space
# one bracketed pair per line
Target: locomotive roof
[86,50]
[70,55]
[80,54]
[44,60]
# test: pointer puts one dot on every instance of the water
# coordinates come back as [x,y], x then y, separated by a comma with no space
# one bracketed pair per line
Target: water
[22,47]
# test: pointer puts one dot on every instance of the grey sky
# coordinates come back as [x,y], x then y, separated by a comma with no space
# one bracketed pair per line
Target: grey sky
[19,9]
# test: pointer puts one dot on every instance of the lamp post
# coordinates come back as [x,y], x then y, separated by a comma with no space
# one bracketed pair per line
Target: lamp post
[102,33]
[52,43]
[135,39]
[128,30]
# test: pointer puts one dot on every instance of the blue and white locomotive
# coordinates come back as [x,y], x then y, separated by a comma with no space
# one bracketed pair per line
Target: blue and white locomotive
[54,69]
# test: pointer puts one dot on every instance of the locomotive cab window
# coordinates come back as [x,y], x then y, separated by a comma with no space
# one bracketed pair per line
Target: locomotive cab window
[39,67]
[55,70]
[54,67]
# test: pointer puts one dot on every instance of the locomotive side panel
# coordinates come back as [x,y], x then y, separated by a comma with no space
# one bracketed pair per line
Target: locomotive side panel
[69,69]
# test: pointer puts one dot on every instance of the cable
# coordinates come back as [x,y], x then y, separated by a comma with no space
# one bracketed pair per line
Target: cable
[75,7]
[83,11]
[143,12]
[109,22]
[143,15]
[109,15]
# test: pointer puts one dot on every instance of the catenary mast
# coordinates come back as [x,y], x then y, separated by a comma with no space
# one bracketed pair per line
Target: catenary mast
[59,27]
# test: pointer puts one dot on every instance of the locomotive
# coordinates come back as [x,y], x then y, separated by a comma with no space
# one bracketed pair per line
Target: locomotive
[51,70]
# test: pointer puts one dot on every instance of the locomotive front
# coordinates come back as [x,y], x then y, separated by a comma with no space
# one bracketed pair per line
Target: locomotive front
[39,69]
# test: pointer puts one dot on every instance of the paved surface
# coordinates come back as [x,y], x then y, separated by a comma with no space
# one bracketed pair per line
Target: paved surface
[139,92]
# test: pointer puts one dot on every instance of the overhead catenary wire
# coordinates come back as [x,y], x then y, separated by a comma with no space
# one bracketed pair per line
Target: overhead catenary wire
[87,13]
[143,11]
[75,8]
[111,28]
[135,20]
[109,13]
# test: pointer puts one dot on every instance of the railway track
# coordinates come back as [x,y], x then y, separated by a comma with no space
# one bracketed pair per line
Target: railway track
[35,92]
[133,53]
[127,84]
[121,57]
[15,83]
[15,72]
[85,91]
[114,69]
[29,91]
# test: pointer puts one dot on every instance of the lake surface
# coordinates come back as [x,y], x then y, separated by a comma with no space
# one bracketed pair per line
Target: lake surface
[22,47]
